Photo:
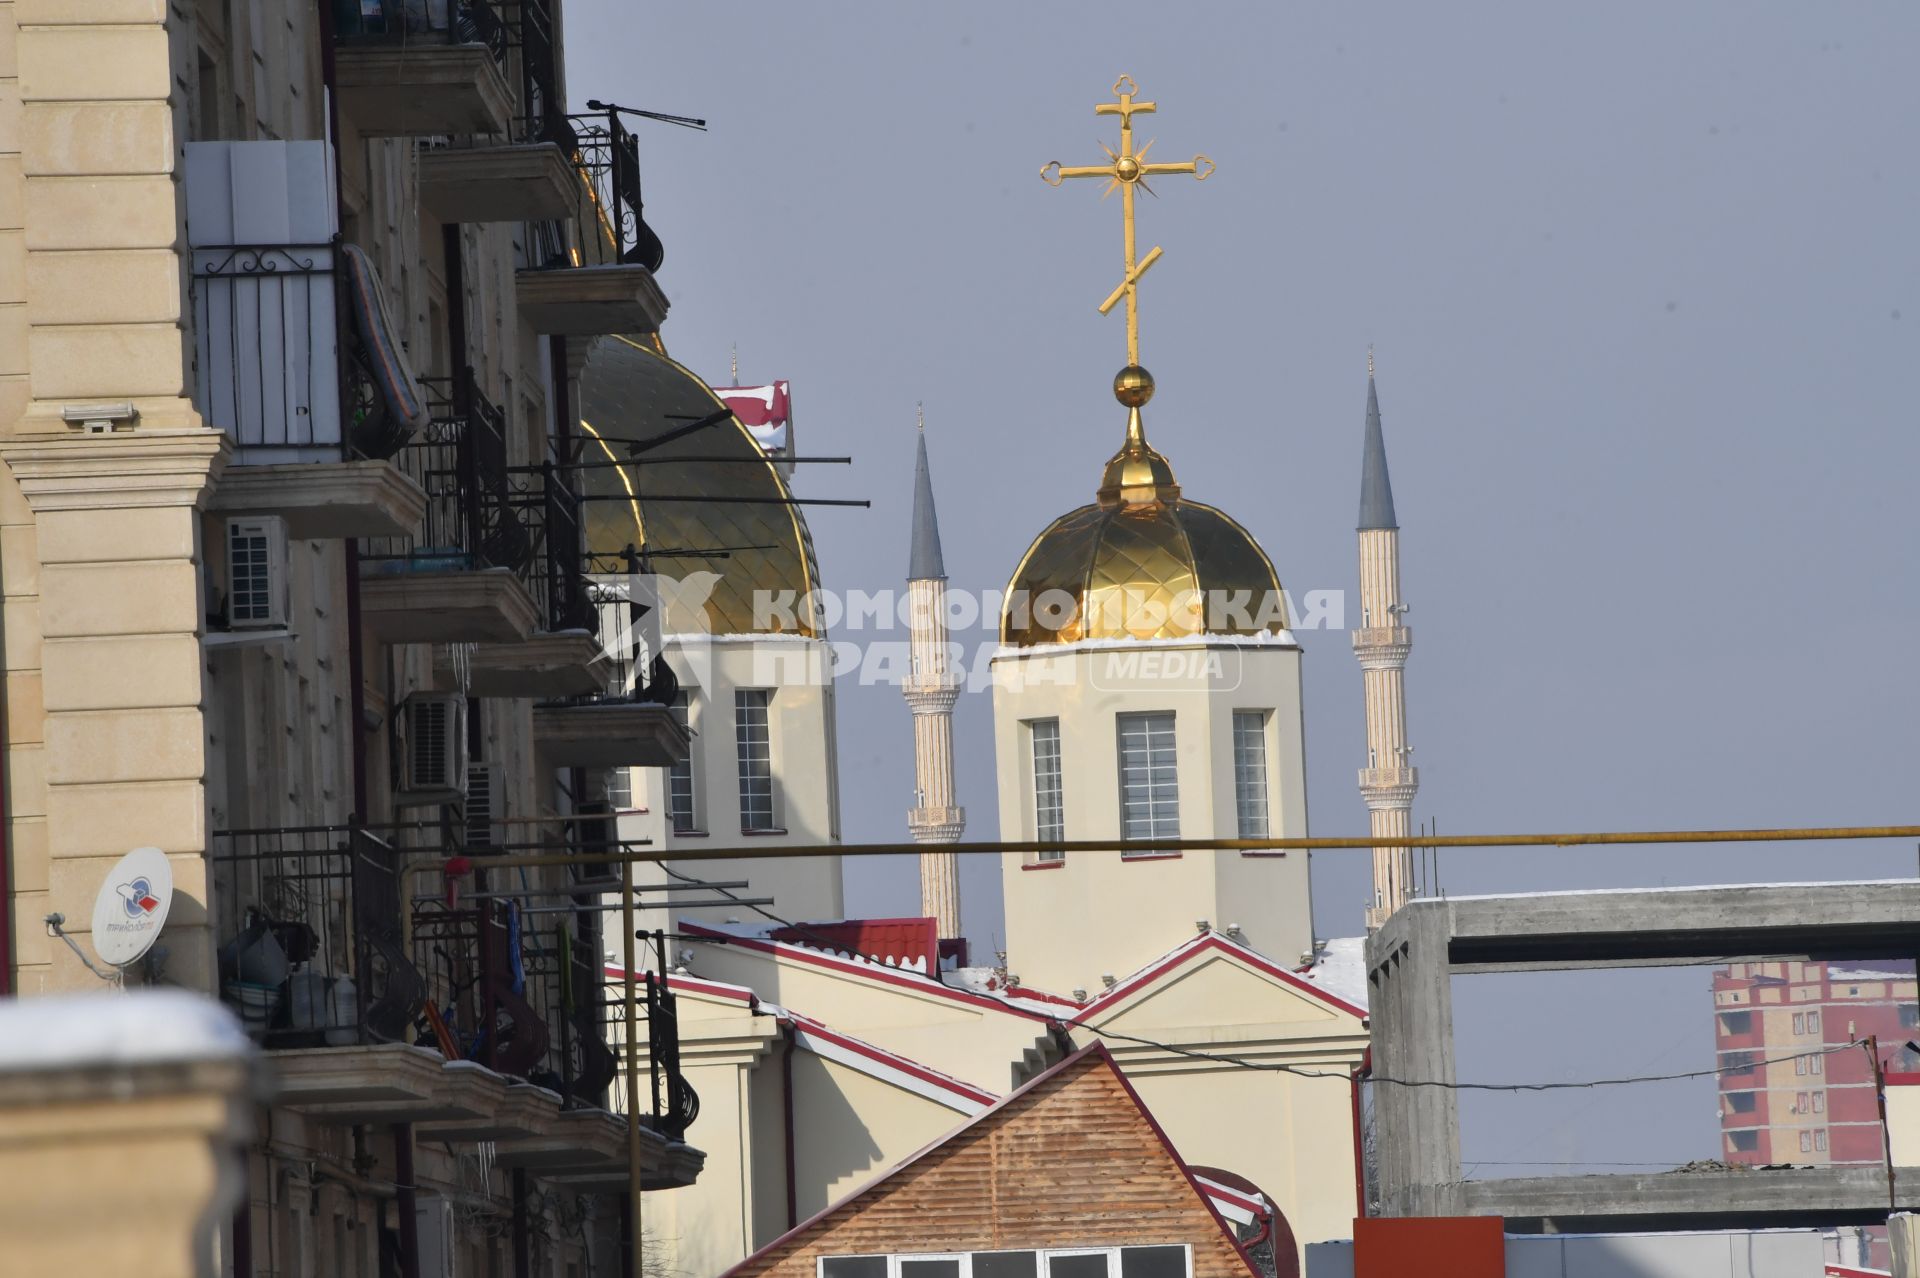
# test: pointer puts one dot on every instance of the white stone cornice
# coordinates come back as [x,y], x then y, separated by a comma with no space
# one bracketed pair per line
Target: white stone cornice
[117,471]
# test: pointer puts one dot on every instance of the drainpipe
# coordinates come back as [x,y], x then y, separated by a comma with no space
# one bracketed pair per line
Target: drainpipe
[522,1242]
[1359,1136]
[406,1200]
[356,658]
[786,1117]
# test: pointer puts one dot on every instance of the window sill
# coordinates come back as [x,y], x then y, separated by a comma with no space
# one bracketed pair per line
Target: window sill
[1130,857]
[1044,865]
[1271,852]
[760,834]
[688,834]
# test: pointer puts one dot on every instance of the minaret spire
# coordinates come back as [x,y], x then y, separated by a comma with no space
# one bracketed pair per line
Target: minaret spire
[931,689]
[1382,642]
[924,562]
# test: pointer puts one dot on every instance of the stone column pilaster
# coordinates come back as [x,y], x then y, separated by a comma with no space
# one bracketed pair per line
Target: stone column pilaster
[121,607]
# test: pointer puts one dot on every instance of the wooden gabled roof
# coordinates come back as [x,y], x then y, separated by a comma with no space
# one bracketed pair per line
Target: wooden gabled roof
[1072,1159]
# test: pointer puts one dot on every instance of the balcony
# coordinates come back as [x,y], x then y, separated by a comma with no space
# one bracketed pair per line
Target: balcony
[629,722]
[422,68]
[459,576]
[528,176]
[477,1019]
[602,279]
[313,951]
[519,182]
[562,658]
[295,358]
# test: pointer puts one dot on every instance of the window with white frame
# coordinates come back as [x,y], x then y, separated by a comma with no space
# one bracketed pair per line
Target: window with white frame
[680,809]
[1149,777]
[1171,1260]
[1049,813]
[1250,772]
[620,789]
[753,744]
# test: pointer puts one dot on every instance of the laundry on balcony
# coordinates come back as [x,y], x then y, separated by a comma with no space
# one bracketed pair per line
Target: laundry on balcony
[391,409]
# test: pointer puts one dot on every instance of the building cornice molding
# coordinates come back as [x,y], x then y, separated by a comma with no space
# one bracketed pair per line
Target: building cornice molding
[119,470]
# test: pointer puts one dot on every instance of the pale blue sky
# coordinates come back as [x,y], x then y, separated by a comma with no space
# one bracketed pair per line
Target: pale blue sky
[1645,285]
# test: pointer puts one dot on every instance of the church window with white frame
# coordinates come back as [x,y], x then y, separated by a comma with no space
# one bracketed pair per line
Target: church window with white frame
[753,744]
[1149,777]
[1250,772]
[681,812]
[1049,811]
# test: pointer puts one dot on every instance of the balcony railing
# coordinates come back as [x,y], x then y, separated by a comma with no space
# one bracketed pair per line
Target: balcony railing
[294,355]
[423,21]
[472,519]
[313,953]
[312,950]
[551,510]
[631,632]
[675,1104]
[608,217]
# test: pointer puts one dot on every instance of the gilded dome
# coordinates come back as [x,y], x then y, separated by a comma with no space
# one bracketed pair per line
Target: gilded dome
[1141,562]
[750,544]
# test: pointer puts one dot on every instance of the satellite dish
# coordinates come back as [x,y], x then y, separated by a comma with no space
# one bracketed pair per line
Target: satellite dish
[132,906]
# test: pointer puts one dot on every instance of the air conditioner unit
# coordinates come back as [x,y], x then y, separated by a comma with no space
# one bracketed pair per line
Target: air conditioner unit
[433,759]
[256,573]
[484,804]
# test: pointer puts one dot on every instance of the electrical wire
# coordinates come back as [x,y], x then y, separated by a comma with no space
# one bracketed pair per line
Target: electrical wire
[1243,1063]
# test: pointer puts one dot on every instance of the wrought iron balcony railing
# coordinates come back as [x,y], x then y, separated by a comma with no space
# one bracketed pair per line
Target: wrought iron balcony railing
[675,1104]
[551,511]
[313,953]
[421,21]
[295,357]
[608,219]
[472,519]
[312,950]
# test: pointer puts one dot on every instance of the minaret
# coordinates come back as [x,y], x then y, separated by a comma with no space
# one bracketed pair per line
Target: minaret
[931,689]
[1381,643]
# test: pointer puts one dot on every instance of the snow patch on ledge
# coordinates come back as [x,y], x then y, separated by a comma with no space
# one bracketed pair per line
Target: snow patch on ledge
[1340,968]
[142,1027]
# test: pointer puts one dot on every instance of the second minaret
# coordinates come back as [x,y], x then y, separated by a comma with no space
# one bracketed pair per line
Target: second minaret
[931,689]
[1382,643]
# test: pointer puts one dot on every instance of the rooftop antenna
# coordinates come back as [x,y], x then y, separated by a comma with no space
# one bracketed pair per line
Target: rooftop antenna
[736,365]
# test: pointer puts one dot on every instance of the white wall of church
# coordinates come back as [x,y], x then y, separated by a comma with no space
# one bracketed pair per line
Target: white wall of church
[1096,914]
[806,799]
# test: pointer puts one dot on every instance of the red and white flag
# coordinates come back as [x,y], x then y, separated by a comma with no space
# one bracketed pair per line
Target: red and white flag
[764,411]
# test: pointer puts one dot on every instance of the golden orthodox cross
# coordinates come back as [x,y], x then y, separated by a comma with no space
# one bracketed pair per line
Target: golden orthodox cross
[1127,169]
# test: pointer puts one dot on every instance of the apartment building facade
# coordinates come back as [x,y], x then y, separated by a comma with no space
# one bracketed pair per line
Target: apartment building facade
[1792,1088]
[296,586]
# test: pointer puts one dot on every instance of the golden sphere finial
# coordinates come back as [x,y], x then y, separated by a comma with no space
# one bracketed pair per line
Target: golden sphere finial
[1133,386]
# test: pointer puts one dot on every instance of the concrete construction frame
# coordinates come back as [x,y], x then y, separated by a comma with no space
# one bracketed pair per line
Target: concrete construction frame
[1411,963]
